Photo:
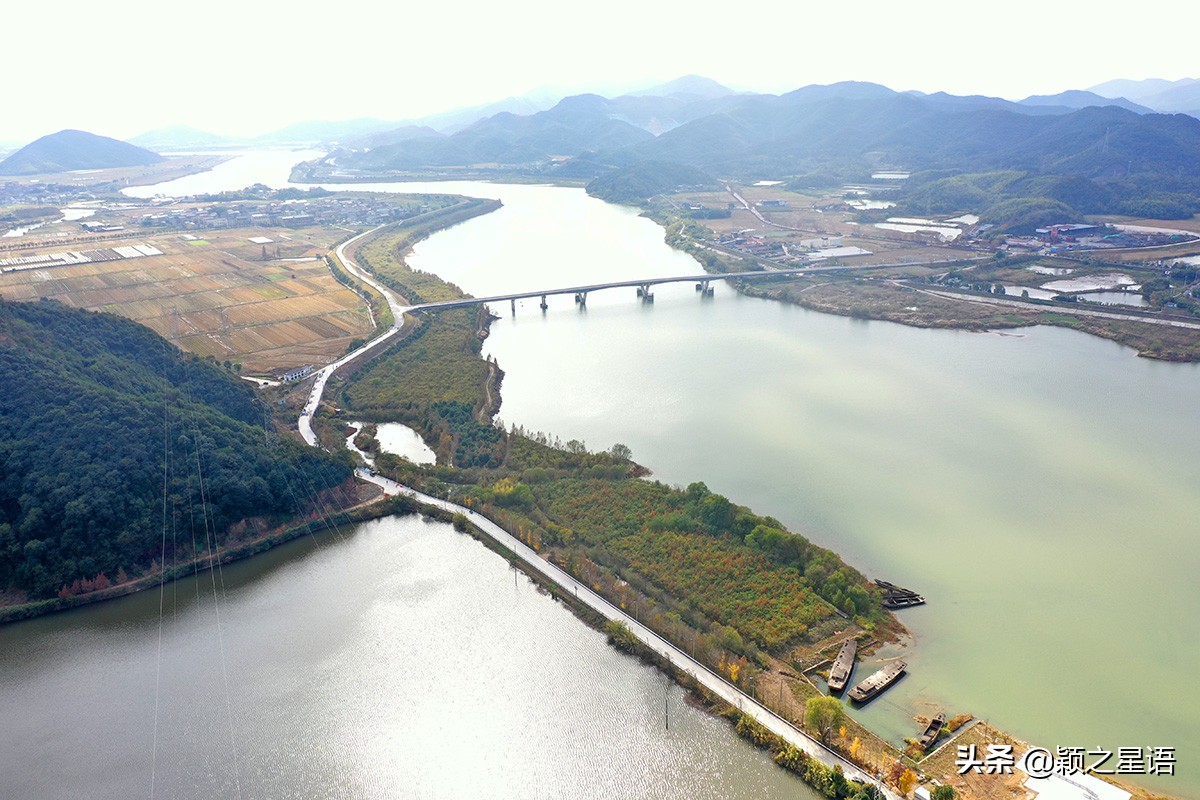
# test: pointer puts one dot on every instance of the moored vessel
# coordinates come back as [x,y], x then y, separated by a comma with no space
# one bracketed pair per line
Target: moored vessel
[877,682]
[843,665]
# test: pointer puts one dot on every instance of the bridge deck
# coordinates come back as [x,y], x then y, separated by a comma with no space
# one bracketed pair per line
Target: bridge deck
[475,301]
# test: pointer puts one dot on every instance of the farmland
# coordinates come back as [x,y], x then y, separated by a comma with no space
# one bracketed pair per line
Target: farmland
[268,304]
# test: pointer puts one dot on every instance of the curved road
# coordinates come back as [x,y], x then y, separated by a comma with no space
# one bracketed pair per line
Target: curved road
[703,675]
[398,310]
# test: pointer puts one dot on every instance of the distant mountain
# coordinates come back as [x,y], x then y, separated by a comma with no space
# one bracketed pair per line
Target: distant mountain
[695,86]
[450,122]
[1076,98]
[393,136]
[1106,157]
[573,126]
[1167,97]
[327,131]
[70,150]
[179,137]
[866,125]
[978,101]
[1183,99]
[1140,91]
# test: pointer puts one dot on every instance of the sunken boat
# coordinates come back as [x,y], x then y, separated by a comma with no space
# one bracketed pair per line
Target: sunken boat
[897,596]
[843,665]
[931,733]
[877,682]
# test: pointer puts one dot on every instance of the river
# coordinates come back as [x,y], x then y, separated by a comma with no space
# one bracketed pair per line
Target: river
[399,659]
[1039,487]
[394,659]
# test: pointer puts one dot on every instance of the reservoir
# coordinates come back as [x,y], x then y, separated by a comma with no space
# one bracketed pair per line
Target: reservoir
[1040,488]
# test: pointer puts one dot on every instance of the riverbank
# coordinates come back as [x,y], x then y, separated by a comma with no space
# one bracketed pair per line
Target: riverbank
[365,507]
[798,752]
[913,295]
[441,476]
[319,172]
[857,529]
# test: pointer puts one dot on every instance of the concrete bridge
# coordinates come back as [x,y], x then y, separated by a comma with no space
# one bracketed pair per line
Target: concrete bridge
[643,286]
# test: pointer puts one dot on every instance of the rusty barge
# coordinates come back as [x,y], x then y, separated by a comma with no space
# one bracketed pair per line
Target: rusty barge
[843,665]
[875,684]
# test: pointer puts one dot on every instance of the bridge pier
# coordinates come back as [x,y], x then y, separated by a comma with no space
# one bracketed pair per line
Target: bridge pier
[645,293]
[544,306]
[514,306]
[704,288]
[581,299]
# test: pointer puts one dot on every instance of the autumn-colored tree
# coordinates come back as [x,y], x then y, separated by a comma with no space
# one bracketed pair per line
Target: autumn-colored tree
[908,781]
[823,714]
[894,771]
[855,746]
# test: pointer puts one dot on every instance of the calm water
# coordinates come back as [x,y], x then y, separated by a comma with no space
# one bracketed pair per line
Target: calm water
[1040,488]
[403,441]
[399,660]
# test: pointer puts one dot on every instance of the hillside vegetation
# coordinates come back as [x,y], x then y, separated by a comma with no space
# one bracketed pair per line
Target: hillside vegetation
[97,412]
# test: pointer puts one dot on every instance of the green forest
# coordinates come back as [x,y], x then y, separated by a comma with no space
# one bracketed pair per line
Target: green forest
[98,417]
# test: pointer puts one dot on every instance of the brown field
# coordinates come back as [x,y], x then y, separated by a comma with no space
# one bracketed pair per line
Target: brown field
[810,216]
[216,295]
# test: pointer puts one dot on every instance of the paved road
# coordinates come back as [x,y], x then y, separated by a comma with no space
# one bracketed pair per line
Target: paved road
[712,681]
[679,658]
[395,303]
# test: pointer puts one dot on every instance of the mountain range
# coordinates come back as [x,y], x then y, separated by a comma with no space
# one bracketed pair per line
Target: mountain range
[1166,97]
[847,128]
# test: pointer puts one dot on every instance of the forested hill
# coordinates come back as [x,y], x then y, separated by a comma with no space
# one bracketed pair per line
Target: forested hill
[91,408]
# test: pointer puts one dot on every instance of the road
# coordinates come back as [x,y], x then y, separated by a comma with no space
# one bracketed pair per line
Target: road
[709,679]
[323,375]
[1074,310]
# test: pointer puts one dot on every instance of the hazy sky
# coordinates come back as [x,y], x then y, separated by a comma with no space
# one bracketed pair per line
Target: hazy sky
[121,67]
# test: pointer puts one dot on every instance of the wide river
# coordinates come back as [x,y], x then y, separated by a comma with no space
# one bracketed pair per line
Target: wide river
[1041,489]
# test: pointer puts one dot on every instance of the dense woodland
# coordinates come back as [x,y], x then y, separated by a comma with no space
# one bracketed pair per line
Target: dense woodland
[96,413]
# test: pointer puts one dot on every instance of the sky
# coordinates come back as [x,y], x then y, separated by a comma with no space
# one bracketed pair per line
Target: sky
[244,67]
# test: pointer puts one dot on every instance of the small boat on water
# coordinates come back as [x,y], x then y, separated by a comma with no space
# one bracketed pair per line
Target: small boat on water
[877,682]
[843,665]
[931,733]
[897,596]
